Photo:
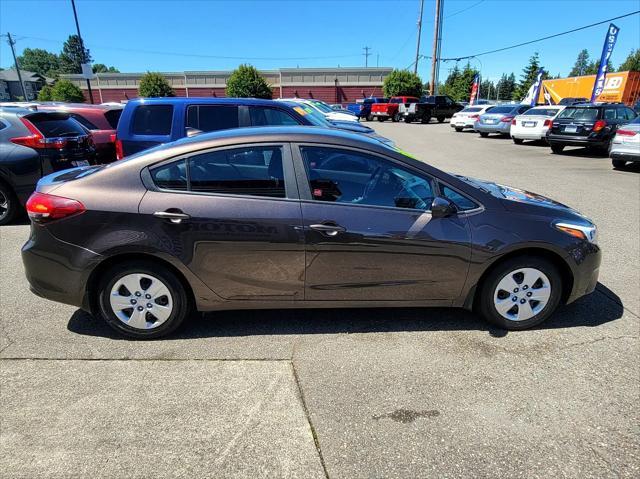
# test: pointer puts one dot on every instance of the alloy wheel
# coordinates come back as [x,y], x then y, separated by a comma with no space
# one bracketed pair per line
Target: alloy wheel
[141,301]
[522,294]
[4,204]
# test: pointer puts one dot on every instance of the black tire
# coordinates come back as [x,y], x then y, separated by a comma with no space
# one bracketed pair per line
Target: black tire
[484,134]
[408,119]
[425,119]
[617,164]
[181,309]
[459,129]
[485,295]
[369,118]
[9,205]
[518,141]
[557,149]
[382,118]
[396,117]
[440,119]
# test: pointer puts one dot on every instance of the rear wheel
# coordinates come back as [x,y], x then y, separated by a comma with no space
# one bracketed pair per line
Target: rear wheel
[459,129]
[369,118]
[425,119]
[142,300]
[408,119]
[557,149]
[396,117]
[520,293]
[440,119]
[9,204]
[518,141]
[618,163]
[484,134]
[382,118]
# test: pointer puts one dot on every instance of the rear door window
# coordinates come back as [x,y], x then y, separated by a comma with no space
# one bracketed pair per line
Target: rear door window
[153,120]
[212,117]
[270,117]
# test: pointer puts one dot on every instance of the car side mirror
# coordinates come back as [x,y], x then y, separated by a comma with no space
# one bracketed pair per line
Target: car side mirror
[442,207]
[190,131]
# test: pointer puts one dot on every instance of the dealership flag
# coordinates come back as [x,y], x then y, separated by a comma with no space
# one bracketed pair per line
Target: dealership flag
[607,49]
[474,89]
[534,90]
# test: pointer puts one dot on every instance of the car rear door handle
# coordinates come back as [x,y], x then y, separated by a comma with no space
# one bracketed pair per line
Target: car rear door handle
[328,229]
[175,217]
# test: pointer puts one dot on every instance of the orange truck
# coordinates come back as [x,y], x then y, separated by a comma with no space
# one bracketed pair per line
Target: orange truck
[621,87]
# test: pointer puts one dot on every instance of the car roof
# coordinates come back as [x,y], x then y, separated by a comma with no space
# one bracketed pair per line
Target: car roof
[200,100]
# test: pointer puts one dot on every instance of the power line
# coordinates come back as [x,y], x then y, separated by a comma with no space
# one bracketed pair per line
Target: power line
[464,9]
[541,39]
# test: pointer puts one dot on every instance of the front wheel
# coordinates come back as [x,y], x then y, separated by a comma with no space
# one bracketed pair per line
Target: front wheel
[520,292]
[9,205]
[459,129]
[440,119]
[518,141]
[484,134]
[142,300]
[616,164]
[369,117]
[395,118]
[557,149]
[425,119]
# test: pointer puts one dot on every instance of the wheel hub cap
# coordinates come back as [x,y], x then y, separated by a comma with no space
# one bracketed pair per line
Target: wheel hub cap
[153,310]
[521,294]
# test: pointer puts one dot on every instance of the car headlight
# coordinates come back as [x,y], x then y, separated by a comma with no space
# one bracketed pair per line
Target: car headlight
[583,232]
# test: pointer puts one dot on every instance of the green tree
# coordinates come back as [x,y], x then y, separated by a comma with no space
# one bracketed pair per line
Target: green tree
[40,61]
[402,83]
[64,90]
[632,63]
[102,68]
[449,86]
[73,55]
[45,93]
[506,86]
[247,82]
[593,67]
[153,84]
[464,82]
[487,89]
[527,78]
[581,65]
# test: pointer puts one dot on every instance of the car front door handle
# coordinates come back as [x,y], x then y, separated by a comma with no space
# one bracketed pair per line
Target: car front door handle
[328,229]
[176,217]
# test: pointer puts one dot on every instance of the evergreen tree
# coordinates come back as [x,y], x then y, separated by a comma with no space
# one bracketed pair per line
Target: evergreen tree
[449,86]
[593,67]
[506,86]
[464,82]
[45,94]
[73,55]
[581,65]
[40,61]
[153,84]
[527,78]
[247,82]
[102,68]
[487,89]
[632,63]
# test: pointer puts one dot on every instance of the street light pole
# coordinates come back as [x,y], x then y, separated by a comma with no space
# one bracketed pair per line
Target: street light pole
[415,67]
[15,60]
[84,58]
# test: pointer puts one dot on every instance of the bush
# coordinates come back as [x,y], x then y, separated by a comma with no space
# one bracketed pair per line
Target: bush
[247,82]
[64,90]
[153,84]
[45,93]
[402,83]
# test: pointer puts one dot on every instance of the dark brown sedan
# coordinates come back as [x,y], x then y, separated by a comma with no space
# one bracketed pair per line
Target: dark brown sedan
[298,217]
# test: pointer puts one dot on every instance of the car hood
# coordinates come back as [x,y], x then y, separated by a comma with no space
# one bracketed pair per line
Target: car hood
[351,126]
[337,116]
[515,199]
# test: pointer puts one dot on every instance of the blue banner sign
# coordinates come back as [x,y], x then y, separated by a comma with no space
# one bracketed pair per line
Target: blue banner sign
[607,49]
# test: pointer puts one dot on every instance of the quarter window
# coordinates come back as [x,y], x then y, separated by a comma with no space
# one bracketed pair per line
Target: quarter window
[153,120]
[212,117]
[171,177]
[462,202]
[346,176]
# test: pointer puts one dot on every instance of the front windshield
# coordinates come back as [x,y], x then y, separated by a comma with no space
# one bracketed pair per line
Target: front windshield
[323,107]
[314,116]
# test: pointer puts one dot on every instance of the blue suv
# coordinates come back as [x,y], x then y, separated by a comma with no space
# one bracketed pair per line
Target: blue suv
[147,122]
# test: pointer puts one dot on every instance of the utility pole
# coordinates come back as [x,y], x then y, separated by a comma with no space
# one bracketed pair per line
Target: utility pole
[84,58]
[366,56]
[415,65]
[377,60]
[435,60]
[12,42]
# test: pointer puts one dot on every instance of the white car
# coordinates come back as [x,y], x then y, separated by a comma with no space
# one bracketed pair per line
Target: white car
[467,117]
[328,112]
[534,123]
[625,146]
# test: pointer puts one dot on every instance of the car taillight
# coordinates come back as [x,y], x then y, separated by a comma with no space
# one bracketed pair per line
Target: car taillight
[506,119]
[626,133]
[547,122]
[42,207]
[513,122]
[119,149]
[599,125]
[34,140]
[474,116]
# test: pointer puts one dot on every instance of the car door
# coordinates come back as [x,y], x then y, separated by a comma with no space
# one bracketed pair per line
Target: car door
[369,233]
[232,216]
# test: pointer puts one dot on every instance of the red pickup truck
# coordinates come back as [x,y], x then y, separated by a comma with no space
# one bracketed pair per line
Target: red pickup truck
[384,111]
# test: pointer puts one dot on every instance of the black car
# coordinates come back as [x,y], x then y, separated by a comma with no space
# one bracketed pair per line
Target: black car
[34,144]
[298,217]
[591,125]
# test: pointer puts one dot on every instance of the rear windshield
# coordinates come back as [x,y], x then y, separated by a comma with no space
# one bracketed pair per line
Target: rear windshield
[396,100]
[502,109]
[542,111]
[579,113]
[153,120]
[472,109]
[113,116]
[52,126]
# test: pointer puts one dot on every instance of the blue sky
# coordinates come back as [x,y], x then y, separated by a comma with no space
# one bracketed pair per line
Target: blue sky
[195,35]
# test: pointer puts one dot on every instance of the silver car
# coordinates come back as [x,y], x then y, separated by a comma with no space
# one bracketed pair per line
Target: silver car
[498,119]
[625,146]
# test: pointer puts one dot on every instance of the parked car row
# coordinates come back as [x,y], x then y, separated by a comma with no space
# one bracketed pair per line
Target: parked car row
[606,127]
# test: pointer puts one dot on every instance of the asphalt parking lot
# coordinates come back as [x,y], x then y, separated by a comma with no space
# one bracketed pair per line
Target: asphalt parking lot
[344,393]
